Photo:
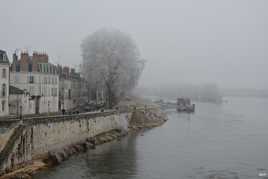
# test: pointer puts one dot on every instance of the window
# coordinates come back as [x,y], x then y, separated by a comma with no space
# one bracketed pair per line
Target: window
[48,92]
[45,80]
[45,91]
[3,57]
[4,73]
[31,79]
[30,67]
[39,68]
[17,67]
[3,105]
[54,92]
[4,90]
[17,78]
[69,93]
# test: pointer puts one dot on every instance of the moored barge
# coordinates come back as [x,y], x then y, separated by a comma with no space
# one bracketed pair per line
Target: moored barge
[185,105]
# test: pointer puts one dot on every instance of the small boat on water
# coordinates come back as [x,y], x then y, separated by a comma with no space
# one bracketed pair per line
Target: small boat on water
[185,105]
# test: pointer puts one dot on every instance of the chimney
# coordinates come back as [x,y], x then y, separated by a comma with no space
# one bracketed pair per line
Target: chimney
[15,62]
[43,58]
[24,56]
[35,61]
[24,61]
[66,72]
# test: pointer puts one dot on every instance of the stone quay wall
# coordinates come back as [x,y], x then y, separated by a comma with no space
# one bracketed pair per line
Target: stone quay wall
[34,137]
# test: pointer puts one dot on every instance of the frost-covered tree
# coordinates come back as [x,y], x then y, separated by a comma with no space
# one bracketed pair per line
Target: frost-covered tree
[111,62]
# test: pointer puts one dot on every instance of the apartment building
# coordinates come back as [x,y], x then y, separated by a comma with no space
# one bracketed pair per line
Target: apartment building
[36,76]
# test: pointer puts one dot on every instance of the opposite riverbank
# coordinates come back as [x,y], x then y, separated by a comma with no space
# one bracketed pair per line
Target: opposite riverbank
[143,117]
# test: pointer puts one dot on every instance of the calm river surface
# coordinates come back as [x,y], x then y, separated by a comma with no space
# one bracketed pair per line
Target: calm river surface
[217,142]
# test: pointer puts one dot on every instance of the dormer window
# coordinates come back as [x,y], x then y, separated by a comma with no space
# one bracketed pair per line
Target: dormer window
[4,57]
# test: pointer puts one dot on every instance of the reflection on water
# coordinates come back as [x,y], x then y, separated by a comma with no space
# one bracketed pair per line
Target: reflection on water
[227,141]
[109,160]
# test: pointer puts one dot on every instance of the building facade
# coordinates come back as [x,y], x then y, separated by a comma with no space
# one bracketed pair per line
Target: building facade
[72,89]
[35,75]
[20,102]
[4,83]
[65,89]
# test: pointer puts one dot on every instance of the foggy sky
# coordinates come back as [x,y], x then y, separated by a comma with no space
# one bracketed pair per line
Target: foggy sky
[183,41]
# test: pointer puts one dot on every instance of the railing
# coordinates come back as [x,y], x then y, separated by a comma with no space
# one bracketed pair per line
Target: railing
[57,118]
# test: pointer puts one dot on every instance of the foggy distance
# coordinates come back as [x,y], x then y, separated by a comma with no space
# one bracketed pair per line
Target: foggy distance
[196,42]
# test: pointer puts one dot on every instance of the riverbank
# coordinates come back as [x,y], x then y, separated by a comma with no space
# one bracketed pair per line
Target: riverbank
[142,118]
[146,114]
[56,157]
[147,118]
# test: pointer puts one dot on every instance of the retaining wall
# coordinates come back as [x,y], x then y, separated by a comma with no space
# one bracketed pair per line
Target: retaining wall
[37,136]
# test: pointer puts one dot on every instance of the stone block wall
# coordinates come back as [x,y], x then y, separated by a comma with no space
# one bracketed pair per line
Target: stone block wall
[37,136]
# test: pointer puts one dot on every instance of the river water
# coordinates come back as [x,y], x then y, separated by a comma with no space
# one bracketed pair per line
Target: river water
[227,141]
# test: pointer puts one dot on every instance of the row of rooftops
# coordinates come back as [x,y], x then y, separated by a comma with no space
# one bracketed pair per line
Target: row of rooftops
[67,73]
[38,62]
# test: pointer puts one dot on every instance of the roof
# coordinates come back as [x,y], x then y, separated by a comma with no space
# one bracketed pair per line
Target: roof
[15,90]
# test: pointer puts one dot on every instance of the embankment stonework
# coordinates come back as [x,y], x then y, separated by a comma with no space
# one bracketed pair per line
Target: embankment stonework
[35,137]
[35,140]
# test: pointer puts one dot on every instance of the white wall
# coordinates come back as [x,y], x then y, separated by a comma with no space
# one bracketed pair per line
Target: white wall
[66,102]
[48,104]
[44,85]
[23,100]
